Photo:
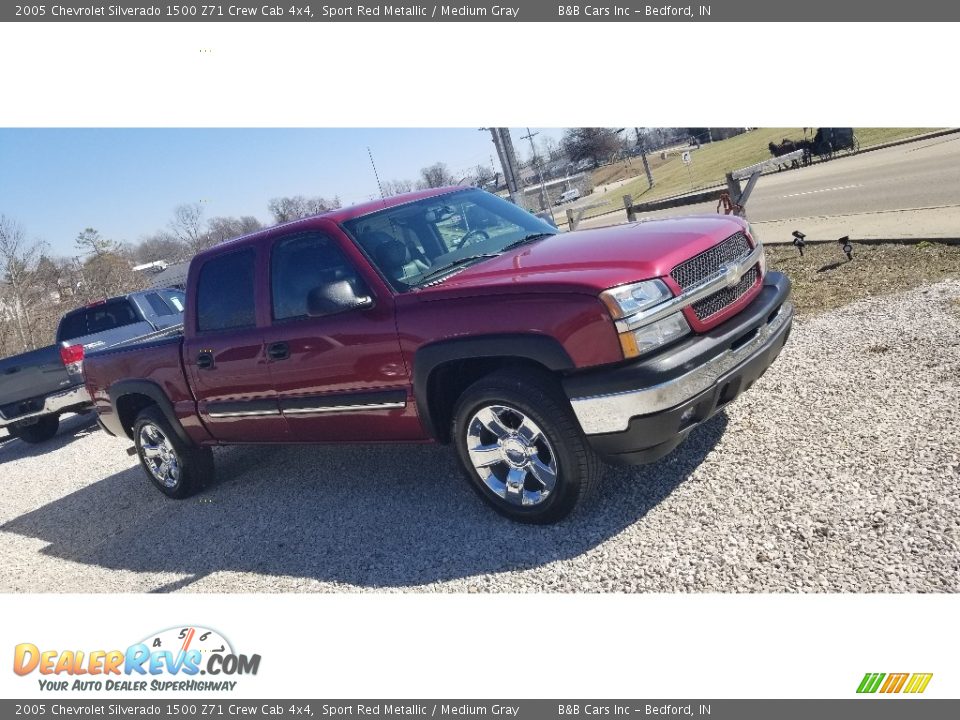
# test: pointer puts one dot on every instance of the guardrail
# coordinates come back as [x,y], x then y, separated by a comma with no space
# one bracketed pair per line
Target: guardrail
[574,216]
[732,199]
[774,163]
[693,199]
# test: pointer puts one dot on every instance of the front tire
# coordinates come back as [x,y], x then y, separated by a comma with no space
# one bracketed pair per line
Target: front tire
[521,447]
[177,469]
[44,429]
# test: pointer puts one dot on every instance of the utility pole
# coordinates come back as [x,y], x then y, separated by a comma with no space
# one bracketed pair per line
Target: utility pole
[508,161]
[642,142]
[512,162]
[503,159]
[536,166]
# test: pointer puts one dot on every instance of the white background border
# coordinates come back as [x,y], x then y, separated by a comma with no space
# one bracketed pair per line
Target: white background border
[522,646]
[718,74]
[367,74]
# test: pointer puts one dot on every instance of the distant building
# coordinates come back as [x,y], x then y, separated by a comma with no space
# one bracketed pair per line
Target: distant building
[173,276]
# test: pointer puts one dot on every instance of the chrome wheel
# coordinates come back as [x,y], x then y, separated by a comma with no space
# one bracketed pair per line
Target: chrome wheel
[511,455]
[159,455]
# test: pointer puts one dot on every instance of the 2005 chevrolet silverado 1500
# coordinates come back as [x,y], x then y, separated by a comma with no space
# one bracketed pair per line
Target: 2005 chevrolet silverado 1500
[453,316]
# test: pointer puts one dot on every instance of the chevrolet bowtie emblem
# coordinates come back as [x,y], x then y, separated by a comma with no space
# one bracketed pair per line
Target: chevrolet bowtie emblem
[732,276]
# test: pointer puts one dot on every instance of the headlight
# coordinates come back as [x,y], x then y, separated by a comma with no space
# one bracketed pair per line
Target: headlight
[752,233]
[629,299]
[650,337]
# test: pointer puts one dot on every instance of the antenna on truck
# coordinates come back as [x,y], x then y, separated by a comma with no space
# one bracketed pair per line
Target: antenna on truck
[375,174]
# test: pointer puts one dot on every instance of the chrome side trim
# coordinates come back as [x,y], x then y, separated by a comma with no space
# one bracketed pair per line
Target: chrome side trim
[725,276]
[345,408]
[612,412]
[76,395]
[243,413]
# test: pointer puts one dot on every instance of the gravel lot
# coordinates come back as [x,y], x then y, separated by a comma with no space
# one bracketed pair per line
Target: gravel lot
[838,471]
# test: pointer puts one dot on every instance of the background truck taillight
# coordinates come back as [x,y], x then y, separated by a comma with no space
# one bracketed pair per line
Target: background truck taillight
[72,356]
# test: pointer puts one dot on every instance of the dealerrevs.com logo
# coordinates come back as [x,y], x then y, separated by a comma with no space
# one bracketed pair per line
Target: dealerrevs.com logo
[178,659]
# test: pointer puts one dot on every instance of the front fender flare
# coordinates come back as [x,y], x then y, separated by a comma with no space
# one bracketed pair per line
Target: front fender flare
[542,349]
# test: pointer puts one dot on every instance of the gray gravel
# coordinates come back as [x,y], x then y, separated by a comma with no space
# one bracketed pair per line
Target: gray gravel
[838,471]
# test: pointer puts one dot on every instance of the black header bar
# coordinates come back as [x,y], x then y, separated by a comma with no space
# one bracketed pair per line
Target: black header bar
[473,11]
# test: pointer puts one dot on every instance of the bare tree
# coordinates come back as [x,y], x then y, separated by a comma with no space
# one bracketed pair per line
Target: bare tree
[187,226]
[161,245]
[105,271]
[285,209]
[594,144]
[109,275]
[51,275]
[484,175]
[551,147]
[18,258]
[396,187]
[221,229]
[89,241]
[537,155]
[436,175]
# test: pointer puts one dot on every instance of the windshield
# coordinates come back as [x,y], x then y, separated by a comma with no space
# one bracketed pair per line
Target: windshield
[426,240]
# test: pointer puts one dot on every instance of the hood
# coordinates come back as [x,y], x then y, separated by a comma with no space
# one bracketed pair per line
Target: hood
[590,261]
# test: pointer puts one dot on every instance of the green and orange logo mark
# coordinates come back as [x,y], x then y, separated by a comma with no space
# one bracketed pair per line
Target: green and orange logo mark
[894,682]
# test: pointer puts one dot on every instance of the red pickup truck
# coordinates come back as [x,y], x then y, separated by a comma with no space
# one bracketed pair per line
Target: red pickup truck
[453,316]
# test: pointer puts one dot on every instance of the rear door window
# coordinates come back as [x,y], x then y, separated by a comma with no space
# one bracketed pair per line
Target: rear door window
[225,292]
[72,326]
[97,318]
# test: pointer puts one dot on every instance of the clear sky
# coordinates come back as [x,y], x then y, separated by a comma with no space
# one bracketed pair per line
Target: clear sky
[126,182]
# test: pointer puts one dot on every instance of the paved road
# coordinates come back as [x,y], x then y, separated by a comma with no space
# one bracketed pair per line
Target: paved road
[910,190]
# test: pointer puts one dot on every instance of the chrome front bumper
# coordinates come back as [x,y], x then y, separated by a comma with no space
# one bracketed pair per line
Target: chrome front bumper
[612,412]
[53,404]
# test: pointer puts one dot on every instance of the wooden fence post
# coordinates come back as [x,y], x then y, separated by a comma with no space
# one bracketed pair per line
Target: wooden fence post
[628,204]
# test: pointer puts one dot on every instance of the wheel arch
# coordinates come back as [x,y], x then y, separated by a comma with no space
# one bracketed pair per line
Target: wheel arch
[442,370]
[130,397]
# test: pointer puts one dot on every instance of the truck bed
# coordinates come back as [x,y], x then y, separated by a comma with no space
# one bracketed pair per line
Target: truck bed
[154,359]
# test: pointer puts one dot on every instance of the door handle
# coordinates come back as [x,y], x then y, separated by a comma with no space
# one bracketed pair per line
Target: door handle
[278,351]
[205,361]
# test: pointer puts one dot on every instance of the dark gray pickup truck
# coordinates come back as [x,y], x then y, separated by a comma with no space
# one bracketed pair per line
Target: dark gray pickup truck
[39,386]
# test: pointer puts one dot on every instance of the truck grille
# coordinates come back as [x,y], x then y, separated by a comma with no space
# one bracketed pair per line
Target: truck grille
[712,304]
[695,270]
[692,271]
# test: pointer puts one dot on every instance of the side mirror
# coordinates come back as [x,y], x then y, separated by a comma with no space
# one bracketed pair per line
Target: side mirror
[336,297]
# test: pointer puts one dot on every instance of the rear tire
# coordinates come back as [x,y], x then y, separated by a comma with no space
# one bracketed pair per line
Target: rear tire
[521,447]
[41,431]
[177,469]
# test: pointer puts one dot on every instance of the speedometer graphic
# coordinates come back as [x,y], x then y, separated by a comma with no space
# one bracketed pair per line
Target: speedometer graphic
[192,637]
